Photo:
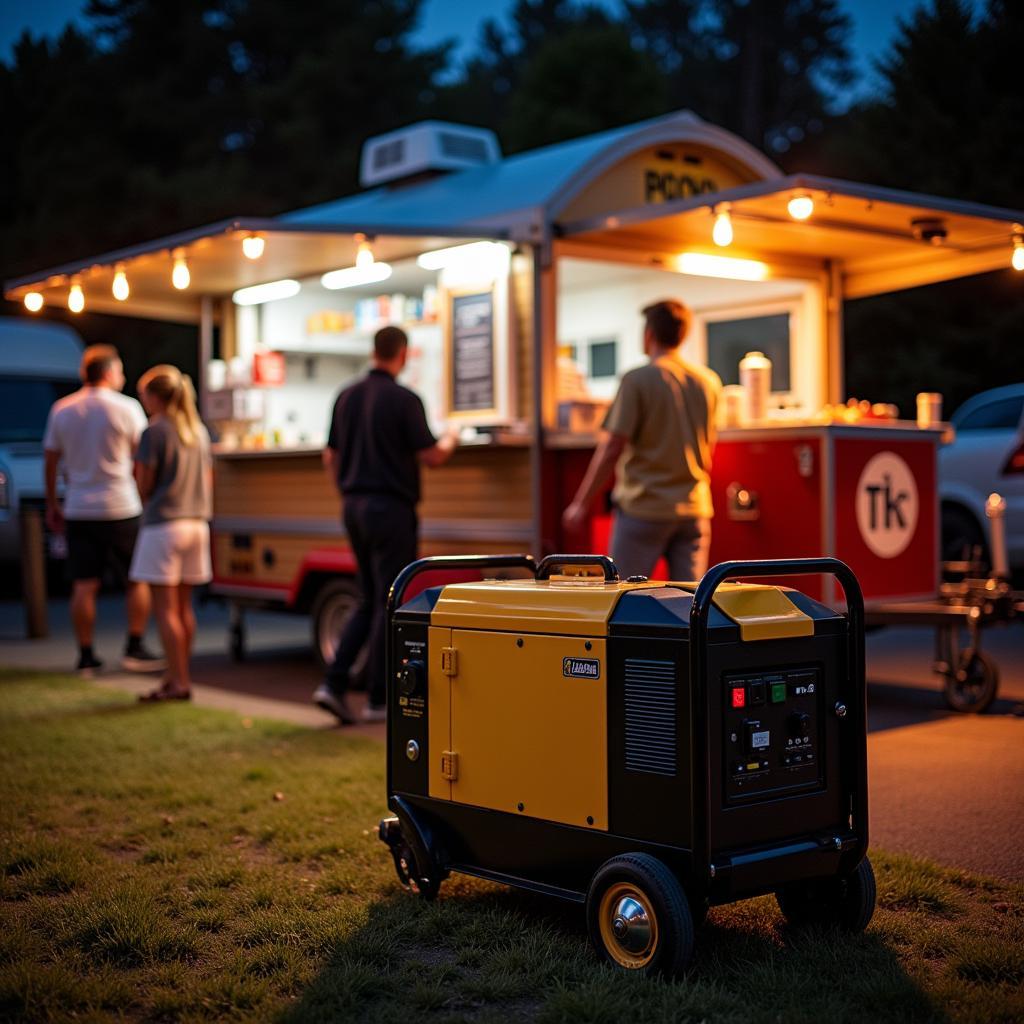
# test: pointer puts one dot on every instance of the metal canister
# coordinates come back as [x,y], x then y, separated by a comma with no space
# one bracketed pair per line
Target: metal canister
[756,379]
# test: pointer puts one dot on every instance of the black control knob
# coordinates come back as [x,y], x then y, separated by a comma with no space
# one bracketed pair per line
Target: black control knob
[410,678]
[798,723]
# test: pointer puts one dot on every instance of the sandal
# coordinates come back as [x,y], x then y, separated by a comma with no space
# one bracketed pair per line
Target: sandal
[164,693]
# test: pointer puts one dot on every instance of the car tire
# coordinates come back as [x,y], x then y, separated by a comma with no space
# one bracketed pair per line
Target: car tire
[962,536]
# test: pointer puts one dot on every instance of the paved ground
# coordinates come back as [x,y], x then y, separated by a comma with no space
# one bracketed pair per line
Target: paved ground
[945,786]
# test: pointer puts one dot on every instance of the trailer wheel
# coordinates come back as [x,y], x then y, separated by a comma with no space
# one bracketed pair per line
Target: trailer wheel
[847,903]
[332,607]
[637,916]
[974,684]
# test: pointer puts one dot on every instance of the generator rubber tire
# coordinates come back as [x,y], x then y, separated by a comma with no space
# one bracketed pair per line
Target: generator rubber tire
[973,686]
[422,880]
[846,903]
[335,601]
[638,918]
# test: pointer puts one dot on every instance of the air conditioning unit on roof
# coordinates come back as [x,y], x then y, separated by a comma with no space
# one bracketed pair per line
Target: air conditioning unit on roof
[425,148]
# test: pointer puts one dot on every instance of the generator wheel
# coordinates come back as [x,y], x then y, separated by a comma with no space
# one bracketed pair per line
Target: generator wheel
[424,882]
[637,916]
[973,685]
[846,903]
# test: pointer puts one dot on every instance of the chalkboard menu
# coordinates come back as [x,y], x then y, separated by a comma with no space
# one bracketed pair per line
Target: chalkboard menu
[472,352]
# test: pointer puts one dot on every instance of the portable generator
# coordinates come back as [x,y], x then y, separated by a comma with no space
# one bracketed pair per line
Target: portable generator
[645,748]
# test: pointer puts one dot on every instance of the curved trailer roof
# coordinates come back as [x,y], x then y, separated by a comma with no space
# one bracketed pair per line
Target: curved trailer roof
[868,232]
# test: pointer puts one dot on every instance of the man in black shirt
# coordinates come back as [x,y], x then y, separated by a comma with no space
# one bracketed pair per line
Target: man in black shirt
[378,440]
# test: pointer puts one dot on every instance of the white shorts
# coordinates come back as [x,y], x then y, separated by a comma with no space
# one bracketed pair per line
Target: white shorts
[174,552]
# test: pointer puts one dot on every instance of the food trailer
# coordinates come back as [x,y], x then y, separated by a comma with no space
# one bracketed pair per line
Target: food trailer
[519,281]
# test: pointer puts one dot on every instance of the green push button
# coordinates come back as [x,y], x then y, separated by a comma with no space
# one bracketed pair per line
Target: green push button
[778,693]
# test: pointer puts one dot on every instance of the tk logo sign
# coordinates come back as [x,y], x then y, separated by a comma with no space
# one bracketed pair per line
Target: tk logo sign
[887,504]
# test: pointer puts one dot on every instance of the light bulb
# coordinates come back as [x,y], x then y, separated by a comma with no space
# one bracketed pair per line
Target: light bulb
[252,246]
[33,302]
[76,299]
[180,277]
[722,231]
[120,286]
[801,206]
[1016,261]
[364,254]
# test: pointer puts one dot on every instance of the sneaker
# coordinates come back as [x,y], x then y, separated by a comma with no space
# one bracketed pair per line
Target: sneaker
[139,659]
[374,713]
[88,665]
[336,703]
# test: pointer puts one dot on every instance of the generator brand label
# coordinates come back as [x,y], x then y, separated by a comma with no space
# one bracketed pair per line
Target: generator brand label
[581,668]
[887,504]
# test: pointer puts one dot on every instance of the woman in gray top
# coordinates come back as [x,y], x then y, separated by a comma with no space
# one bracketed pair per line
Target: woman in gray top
[172,470]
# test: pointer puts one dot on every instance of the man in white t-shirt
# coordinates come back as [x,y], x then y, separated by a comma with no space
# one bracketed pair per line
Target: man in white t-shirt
[92,435]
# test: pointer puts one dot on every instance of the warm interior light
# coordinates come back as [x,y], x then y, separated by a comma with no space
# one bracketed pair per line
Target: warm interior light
[703,265]
[488,257]
[1017,260]
[76,298]
[722,231]
[801,206]
[33,301]
[352,277]
[180,277]
[120,286]
[259,293]
[252,246]
[364,254]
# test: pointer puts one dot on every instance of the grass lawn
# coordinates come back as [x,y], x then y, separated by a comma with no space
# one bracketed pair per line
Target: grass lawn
[173,863]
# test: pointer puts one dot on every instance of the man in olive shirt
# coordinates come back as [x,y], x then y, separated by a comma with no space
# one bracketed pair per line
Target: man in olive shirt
[660,431]
[378,440]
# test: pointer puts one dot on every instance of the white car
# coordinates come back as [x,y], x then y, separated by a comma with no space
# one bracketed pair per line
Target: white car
[38,364]
[987,456]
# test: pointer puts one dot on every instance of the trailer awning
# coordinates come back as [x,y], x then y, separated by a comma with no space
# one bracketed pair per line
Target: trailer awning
[217,267]
[882,240]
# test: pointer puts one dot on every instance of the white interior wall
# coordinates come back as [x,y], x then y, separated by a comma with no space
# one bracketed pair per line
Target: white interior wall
[600,300]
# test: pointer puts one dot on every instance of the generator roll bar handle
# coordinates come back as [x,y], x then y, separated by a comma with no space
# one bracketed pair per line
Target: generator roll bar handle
[700,612]
[435,562]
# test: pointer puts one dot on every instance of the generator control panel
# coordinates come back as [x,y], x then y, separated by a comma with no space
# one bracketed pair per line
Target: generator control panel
[772,732]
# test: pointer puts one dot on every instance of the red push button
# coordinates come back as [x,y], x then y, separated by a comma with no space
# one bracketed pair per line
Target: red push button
[739,697]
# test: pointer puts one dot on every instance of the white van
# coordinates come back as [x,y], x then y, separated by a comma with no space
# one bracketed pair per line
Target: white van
[38,364]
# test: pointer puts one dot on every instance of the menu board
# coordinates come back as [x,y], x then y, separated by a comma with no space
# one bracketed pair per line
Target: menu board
[472,352]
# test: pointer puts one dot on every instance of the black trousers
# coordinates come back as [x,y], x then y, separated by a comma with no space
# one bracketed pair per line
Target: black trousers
[383,533]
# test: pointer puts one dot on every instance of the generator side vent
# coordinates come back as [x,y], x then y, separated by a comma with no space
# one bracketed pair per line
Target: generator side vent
[650,697]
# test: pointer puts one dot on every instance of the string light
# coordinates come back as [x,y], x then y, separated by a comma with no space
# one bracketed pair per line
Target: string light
[801,206]
[120,286]
[76,298]
[364,254]
[180,277]
[252,246]
[33,301]
[1017,260]
[722,231]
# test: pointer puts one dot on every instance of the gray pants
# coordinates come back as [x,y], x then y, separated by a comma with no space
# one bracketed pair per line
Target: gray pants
[637,544]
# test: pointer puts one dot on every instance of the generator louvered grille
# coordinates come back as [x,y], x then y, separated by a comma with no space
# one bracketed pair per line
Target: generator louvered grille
[650,716]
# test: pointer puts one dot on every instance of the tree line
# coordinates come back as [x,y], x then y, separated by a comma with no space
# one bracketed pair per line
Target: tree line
[159,116]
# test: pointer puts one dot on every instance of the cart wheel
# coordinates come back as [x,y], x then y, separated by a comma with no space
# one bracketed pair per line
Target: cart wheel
[847,903]
[974,684]
[638,917]
[333,606]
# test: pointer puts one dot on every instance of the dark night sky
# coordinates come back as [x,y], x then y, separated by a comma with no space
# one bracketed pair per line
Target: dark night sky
[874,22]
